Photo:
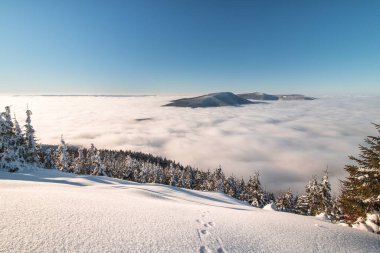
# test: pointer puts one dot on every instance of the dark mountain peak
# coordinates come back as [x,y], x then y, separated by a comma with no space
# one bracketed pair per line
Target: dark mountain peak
[211,100]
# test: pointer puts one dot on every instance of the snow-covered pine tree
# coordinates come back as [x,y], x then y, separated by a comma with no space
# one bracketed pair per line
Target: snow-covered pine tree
[336,214]
[79,165]
[158,174]
[48,159]
[268,198]
[19,140]
[62,162]
[6,130]
[240,188]
[284,201]
[314,197]
[218,180]
[137,173]
[361,189]
[181,178]
[129,166]
[96,162]
[325,195]
[302,205]
[207,183]
[189,180]
[199,177]
[9,153]
[253,192]
[310,202]
[173,175]
[31,155]
[231,186]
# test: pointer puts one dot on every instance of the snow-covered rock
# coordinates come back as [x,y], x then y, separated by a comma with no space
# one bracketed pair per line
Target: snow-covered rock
[322,216]
[270,207]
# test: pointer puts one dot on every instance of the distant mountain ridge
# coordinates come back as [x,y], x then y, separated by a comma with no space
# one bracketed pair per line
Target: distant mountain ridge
[269,97]
[211,100]
[230,99]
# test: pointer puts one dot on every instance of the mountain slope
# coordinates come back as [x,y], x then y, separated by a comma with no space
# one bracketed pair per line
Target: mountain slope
[258,96]
[211,100]
[264,96]
[46,210]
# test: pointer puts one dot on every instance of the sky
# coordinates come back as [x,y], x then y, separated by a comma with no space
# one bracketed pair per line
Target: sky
[189,46]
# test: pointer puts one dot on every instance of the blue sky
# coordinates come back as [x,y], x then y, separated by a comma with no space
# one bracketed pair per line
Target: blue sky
[189,46]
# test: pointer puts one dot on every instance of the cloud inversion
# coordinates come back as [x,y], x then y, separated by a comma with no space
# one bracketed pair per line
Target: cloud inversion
[286,141]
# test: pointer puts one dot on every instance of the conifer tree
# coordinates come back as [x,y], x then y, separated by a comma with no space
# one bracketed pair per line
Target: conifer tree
[231,186]
[240,188]
[62,157]
[336,213]
[96,162]
[19,140]
[9,153]
[302,205]
[325,195]
[79,162]
[284,201]
[361,188]
[30,139]
[313,196]
[189,178]
[253,192]
[173,176]
[218,180]
[48,159]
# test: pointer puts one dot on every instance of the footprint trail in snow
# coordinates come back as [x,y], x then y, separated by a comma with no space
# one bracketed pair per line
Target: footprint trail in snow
[209,241]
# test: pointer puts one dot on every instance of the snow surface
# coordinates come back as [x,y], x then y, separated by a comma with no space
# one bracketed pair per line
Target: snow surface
[270,207]
[50,211]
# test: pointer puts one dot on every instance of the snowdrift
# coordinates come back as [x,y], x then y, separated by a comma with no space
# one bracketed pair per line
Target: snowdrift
[49,211]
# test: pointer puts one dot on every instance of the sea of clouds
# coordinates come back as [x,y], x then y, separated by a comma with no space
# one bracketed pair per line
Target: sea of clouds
[286,141]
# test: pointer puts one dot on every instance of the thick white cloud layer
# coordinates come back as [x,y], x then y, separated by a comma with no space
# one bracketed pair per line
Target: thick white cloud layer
[286,141]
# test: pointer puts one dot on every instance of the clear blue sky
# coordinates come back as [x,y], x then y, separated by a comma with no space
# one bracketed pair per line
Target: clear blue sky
[190,46]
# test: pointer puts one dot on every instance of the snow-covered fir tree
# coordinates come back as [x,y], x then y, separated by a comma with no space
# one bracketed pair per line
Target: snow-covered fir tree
[79,166]
[325,195]
[231,186]
[31,155]
[302,205]
[253,192]
[240,188]
[48,159]
[285,201]
[173,176]
[218,180]
[10,159]
[19,140]
[313,196]
[361,188]
[336,213]
[97,165]
[62,157]
[189,180]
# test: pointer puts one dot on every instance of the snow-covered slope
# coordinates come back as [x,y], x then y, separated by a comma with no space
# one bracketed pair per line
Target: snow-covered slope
[50,211]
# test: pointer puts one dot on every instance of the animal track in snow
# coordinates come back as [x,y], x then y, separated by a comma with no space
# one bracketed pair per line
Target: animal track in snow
[204,249]
[210,243]
[205,232]
[221,250]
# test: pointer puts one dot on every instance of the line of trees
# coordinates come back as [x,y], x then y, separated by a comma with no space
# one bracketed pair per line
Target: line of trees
[360,190]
